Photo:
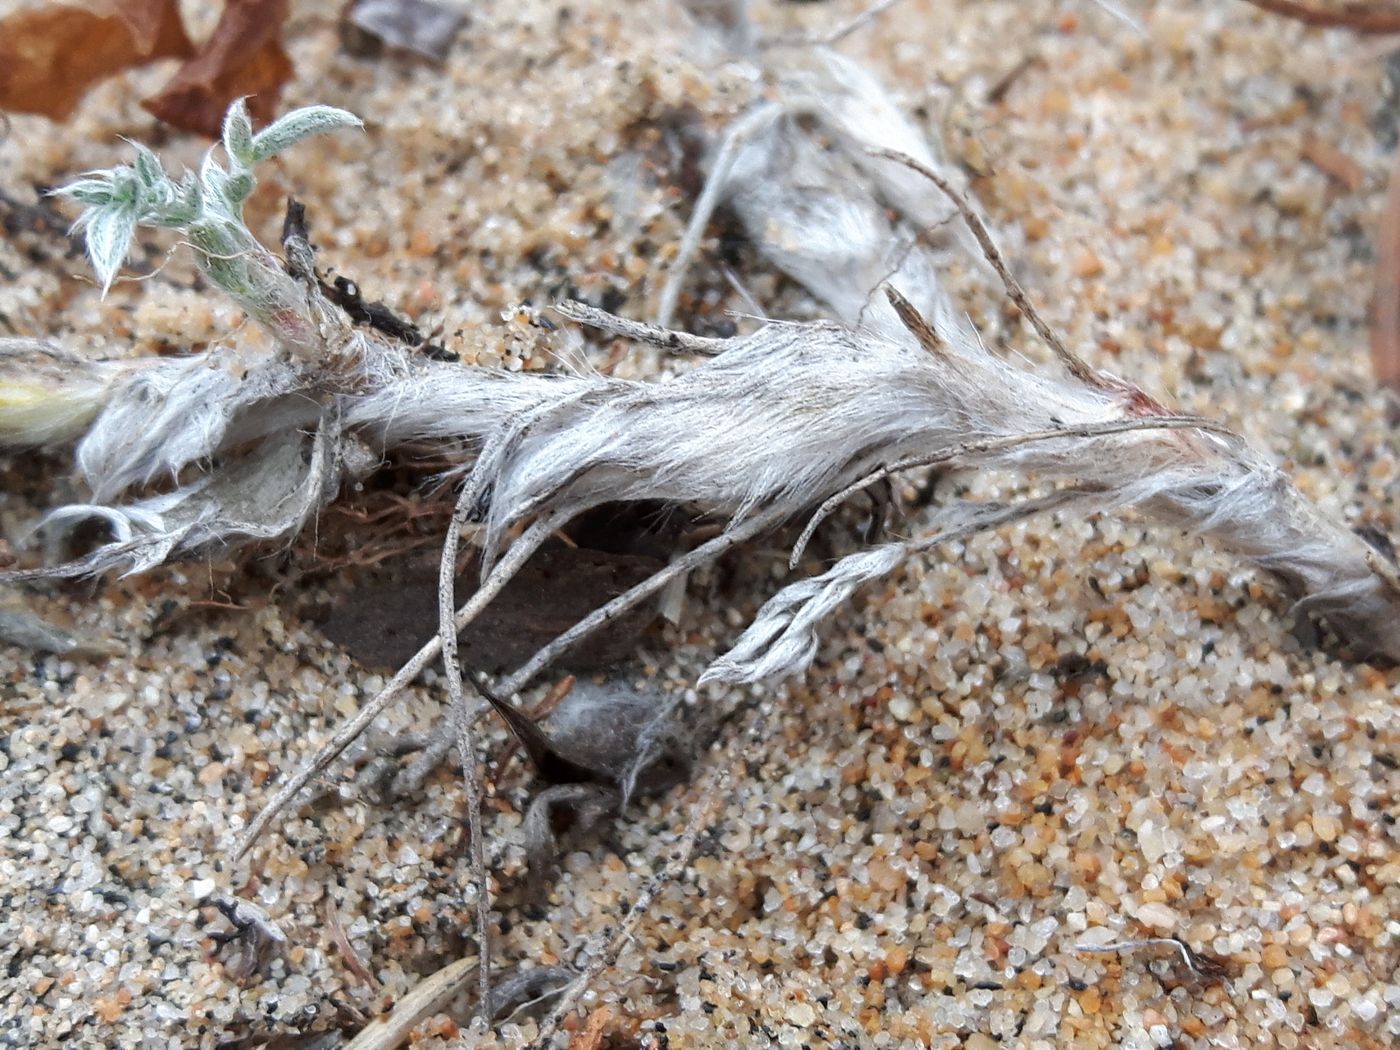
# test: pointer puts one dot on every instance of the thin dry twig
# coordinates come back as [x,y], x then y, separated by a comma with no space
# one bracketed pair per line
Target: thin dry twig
[1073,363]
[606,954]
[348,955]
[1203,966]
[653,335]
[1087,430]
[462,719]
[1385,304]
[1369,19]
[428,997]
[739,134]
[516,556]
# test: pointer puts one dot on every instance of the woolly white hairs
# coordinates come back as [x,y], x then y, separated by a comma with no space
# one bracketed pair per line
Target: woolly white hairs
[805,176]
[780,420]
[776,422]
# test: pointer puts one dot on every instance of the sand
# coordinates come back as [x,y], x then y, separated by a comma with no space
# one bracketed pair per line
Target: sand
[1063,733]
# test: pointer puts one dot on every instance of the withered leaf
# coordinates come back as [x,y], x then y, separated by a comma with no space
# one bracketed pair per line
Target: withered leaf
[391,612]
[50,56]
[421,26]
[385,620]
[243,56]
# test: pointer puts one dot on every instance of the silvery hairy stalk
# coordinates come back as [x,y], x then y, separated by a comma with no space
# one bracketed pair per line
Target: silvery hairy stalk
[773,425]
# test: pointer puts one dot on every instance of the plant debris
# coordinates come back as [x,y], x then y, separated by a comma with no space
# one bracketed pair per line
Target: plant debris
[1365,17]
[1205,967]
[258,939]
[421,26]
[243,57]
[1385,301]
[52,55]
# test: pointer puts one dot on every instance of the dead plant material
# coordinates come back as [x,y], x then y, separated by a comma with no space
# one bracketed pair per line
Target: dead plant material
[1367,18]
[344,292]
[434,994]
[242,58]
[348,955]
[52,55]
[1333,163]
[1205,968]
[1385,302]
[256,938]
[420,26]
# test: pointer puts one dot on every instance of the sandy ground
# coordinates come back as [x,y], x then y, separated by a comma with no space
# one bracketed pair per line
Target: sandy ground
[1066,732]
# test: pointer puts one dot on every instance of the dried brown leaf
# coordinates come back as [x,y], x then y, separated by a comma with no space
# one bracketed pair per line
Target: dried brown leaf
[50,56]
[386,618]
[1385,304]
[243,57]
[1358,17]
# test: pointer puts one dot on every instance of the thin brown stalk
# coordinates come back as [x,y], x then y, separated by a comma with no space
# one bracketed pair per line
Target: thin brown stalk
[606,954]
[1385,304]
[1370,19]
[1074,364]
[1087,430]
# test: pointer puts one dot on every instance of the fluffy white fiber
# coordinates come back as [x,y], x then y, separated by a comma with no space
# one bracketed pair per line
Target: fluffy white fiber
[770,426]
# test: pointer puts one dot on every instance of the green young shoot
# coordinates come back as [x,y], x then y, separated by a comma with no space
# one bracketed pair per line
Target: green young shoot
[208,209]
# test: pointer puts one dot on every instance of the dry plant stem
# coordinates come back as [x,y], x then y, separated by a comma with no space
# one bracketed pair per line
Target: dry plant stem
[460,714]
[833,36]
[1074,364]
[1200,966]
[653,335]
[716,185]
[515,557]
[466,744]
[428,997]
[1385,302]
[1370,19]
[1088,430]
[466,747]
[348,955]
[701,555]
[607,955]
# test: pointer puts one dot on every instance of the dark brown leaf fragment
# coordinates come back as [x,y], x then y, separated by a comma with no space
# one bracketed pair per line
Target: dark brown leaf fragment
[243,57]
[51,56]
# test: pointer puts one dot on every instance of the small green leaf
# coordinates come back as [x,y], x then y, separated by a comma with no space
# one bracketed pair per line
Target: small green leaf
[149,173]
[238,135]
[297,125]
[93,191]
[109,233]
